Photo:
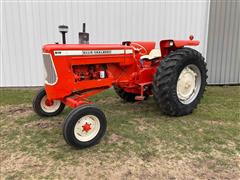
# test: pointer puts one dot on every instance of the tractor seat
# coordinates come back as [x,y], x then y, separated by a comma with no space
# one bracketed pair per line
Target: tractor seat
[154,53]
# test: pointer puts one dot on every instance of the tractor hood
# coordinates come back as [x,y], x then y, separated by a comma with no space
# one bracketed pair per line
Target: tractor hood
[66,47]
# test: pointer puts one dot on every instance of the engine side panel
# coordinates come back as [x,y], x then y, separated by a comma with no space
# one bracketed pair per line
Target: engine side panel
[79,67]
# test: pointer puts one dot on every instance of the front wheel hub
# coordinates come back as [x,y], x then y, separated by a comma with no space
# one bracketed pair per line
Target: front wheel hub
[49,106]
[87,128]
[49,102]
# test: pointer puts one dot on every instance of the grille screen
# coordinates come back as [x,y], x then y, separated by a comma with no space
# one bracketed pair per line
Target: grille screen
[51,76]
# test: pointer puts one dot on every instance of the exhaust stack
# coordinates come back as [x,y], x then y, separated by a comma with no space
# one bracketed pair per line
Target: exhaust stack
[83,36]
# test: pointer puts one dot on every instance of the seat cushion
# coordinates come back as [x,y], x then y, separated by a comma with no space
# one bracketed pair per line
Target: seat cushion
[154,53]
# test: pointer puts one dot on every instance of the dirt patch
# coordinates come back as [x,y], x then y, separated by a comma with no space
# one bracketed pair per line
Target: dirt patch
[19,164]
[114,138]
[112,166]
[43,124]
[212,169]
[216,122]
[108,100]
[142,124]
[16,112]
[132,167]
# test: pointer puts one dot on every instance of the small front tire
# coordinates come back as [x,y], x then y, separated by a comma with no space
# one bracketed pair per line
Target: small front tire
[84,126]
[44,107]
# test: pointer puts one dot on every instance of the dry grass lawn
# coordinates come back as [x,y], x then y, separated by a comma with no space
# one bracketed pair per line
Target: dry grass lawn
[140,143]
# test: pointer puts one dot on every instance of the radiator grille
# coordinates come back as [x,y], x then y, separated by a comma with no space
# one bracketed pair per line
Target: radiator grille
[51,75]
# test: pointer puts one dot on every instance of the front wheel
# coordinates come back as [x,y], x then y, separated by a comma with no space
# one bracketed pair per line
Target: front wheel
[84,126]
[44,107]
[180,81]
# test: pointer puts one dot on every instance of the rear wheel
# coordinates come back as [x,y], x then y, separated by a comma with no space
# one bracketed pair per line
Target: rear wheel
[180,81]
[84,126]
[44,107]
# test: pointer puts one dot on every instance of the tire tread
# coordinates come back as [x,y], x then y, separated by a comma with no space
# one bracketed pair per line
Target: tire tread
[164,89]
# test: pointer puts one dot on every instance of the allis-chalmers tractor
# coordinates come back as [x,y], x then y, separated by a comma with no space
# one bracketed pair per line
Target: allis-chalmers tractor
[174,74]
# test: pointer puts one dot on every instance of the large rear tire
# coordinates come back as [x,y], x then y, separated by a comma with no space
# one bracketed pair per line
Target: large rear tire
[180,81]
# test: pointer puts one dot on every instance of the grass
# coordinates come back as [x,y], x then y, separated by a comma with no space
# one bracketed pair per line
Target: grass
[140,141]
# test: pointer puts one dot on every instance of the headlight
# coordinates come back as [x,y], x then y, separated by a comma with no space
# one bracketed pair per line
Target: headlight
[171,43]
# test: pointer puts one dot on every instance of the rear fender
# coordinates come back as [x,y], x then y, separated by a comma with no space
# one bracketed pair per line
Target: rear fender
[171,45]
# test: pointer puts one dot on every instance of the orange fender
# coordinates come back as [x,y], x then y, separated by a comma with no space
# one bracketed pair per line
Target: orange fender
[171,45]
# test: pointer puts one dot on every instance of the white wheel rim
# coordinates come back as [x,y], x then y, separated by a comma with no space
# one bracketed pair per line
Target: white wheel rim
[188,84]
[49,108]
[86,128]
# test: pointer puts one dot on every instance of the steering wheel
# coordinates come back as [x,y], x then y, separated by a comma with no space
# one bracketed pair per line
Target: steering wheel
[139,48]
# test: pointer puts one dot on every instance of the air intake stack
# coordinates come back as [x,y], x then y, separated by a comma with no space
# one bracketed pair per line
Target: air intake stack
[63,29]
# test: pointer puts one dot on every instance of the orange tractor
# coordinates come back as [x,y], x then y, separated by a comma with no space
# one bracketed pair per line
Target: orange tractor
[174,74]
